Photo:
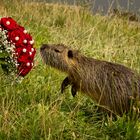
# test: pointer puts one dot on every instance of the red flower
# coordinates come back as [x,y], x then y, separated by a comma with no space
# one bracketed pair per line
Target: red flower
[23,42]
[28,38]
[25,54]
[31,52]
[21,54]
[17,36]
[20,37]
[8,23]
[24,68]
[21,28]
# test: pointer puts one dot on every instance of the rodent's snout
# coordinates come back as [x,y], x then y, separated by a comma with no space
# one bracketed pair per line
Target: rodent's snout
[43,47]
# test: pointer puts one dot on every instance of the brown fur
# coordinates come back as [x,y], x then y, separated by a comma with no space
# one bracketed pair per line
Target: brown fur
[110,85]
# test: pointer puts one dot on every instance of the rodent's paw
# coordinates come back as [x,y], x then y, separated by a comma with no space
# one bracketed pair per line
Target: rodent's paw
[64,84]
[73,90]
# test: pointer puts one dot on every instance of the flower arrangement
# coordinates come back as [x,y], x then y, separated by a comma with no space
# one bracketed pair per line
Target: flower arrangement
[16,48]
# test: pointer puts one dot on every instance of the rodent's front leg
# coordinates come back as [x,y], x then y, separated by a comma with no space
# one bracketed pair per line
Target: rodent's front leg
[64,84]
[73,90]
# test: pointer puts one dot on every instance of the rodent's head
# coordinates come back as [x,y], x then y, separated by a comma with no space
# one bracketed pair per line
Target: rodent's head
[58,56]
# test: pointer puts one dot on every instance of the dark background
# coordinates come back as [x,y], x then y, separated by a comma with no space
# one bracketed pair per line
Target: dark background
[103,6]
[126,5]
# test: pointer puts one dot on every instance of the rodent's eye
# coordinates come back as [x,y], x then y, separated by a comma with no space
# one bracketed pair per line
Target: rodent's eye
[70,54]
[56,50]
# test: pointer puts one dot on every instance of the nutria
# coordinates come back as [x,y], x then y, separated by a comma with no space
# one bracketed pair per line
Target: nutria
[111,85]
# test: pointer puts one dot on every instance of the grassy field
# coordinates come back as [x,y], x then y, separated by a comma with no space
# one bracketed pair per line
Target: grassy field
[35,109]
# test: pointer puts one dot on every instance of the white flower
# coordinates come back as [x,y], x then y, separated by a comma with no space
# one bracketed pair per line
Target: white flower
[24,50]
[32,42]
[28,64]
[16,38]
[25,31]
[7,22]
[32,49]
[30,53]
[24,41]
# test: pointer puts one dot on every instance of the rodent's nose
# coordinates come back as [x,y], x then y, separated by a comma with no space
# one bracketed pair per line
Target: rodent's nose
[43,47]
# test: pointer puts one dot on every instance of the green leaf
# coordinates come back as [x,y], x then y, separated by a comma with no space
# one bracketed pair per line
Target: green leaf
[2,61]
[4,54]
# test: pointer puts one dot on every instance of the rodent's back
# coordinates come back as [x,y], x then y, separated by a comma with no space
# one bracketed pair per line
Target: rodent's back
[108,83]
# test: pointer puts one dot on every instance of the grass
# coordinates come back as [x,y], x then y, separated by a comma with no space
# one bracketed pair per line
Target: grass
[35,109]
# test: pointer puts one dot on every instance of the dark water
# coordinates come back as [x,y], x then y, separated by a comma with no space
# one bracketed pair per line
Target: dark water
[103,6]
[127,5]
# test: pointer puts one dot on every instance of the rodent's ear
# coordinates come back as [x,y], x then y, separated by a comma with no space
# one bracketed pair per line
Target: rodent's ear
[70,54]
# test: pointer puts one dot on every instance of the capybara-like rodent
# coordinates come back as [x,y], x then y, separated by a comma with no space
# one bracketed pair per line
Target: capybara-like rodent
[111,85]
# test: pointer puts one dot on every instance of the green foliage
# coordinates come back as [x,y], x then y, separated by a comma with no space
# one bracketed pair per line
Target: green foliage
[122,129]
[35,109]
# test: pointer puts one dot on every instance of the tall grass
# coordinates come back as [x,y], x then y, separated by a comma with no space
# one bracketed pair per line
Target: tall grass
[35,109]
